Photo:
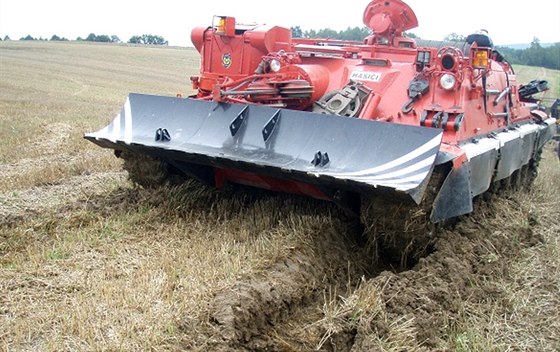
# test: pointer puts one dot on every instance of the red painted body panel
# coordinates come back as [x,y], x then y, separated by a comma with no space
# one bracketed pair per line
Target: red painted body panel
[265,65]
[223,176]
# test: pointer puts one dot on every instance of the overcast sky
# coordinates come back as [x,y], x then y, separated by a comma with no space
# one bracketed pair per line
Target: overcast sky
[508,21]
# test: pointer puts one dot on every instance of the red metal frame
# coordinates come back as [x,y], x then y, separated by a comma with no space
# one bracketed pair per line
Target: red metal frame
[242,61]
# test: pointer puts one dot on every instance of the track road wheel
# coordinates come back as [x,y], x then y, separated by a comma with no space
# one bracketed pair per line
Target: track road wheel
[524,178]
[149,172]
[400,234]
[531,170]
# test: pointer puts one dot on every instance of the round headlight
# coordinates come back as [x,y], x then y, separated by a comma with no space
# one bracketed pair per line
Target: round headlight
[275,65]
[447,81]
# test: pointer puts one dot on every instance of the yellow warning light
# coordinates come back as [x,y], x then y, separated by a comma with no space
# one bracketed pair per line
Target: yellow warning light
[221,27]
[480,58]
[224,25]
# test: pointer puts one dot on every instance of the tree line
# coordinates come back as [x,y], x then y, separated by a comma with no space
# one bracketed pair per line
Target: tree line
[103,38]
[350,33]
[535,55]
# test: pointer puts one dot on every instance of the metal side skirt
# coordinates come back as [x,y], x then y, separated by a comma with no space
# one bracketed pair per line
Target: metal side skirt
[455,196]
[489,160]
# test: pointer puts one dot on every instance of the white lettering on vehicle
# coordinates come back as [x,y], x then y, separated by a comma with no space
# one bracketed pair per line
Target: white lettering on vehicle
[365,76]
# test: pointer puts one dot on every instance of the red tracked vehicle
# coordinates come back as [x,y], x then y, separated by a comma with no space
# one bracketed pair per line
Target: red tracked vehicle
[384,121]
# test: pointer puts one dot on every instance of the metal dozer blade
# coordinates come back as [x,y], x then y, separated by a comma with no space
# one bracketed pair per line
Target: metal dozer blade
[276,148]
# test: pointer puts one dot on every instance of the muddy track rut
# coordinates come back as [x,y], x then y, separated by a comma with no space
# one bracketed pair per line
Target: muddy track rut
[336,299]
[339,299]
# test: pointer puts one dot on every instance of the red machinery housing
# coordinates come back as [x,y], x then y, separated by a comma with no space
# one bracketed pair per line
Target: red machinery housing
[331,119]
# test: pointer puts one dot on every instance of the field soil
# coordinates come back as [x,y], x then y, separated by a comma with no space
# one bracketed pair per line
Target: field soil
[91,261]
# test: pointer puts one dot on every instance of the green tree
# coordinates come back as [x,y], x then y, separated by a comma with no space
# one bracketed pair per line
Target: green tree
[354,33]
[327,33]
[350,33]
[411,35]
[535,55]
[454,37]
[153,39]
[28,37]
[297,32]
[552,57]
[148,39]
[103,38]
[135,39]
[310,34]
[6,38]
[91,38]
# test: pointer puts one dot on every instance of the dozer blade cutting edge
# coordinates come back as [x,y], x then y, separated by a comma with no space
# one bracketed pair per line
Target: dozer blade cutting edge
[327,151]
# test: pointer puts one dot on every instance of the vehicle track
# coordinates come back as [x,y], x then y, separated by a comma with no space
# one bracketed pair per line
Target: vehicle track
[245,315]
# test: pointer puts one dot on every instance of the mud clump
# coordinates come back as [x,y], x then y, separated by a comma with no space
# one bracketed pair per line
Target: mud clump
[149,172]
[246,310]
[401,233]
[242,315]
[430,298]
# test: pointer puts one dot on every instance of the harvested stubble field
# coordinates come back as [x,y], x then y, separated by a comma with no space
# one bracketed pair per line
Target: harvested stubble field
[88,261]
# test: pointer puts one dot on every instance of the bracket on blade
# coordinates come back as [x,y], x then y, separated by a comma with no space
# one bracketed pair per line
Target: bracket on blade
[320,159]
[162,135]
[270,126]
[237,122]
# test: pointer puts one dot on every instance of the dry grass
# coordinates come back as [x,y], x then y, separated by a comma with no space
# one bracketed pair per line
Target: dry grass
[526,316]
[525,74]
[88,262]
[51,93]
[135,270]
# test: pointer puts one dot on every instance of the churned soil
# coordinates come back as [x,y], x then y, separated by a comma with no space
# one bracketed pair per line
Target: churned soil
[469,276]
